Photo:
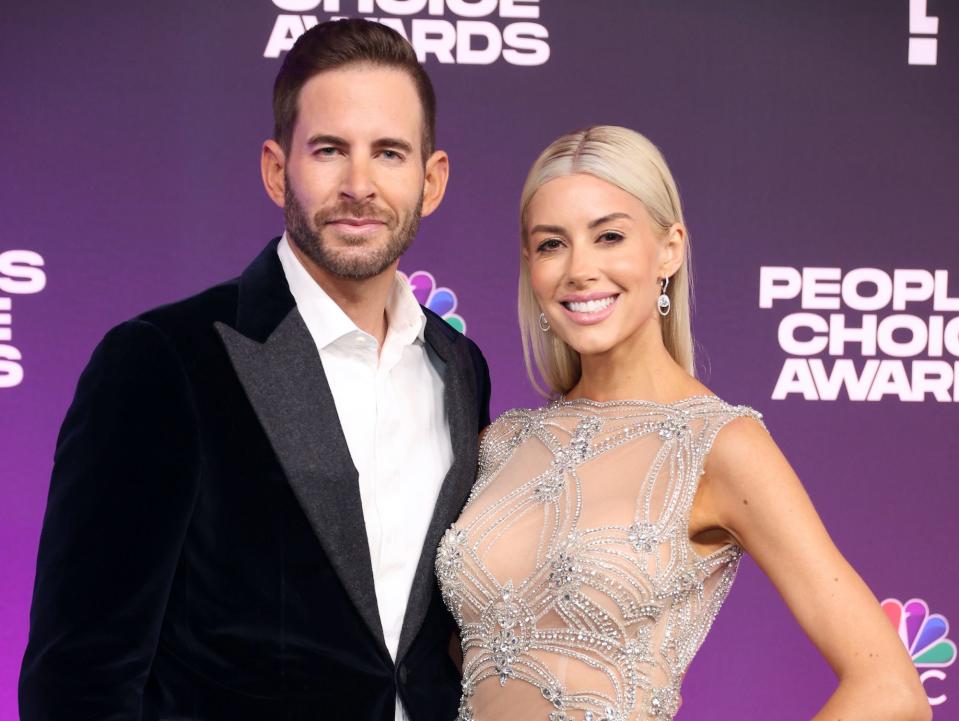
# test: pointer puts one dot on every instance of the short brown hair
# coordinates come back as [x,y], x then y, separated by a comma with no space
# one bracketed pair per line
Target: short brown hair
[336,44]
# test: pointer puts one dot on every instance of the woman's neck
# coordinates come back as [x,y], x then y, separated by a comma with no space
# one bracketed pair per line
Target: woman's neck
[639,368]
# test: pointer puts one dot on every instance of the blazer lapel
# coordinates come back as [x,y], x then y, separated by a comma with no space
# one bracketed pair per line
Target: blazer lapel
[287,387]
[459,400]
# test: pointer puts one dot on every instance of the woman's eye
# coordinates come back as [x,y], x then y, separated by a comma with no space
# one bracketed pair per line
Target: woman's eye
[549,244]
[611,236]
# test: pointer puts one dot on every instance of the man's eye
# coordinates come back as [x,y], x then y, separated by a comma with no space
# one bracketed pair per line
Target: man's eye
[392,155]
[327,151]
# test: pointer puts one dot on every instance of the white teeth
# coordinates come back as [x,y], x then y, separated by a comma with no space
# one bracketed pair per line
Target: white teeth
[590,306]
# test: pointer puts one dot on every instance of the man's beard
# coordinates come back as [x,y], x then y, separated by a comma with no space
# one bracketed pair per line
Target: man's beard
[309,238]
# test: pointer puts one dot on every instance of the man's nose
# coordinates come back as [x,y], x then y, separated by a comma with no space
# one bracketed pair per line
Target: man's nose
[357,182]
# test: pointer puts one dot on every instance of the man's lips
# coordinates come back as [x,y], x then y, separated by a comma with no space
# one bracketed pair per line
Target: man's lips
[356,222]
[358,227]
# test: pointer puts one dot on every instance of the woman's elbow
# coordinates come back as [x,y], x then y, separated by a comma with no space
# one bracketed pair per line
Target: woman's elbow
[910,702]
[921,711]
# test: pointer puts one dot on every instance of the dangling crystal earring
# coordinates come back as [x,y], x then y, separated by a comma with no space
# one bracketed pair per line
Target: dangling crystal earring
[664,304]
[543,323]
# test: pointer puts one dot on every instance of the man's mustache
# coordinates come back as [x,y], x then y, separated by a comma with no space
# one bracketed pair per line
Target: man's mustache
[355,211]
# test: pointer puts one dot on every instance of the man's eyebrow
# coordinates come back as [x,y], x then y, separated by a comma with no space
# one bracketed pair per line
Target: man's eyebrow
[558,229]
[321,139]
[607,218]
[393,144]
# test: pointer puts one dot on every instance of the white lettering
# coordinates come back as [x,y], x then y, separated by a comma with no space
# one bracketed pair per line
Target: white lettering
[877,379]
[11,372]
[816,289]
[919,22]
[935,336]
[297,6]
[891,379]
[286,30]
[778,283]
[939,676]
[843,373]
[950,337]
[787,334]
[466,54]
[932,376]
[850,289]
[472,8]
[839,334]
[434,36]
[919,335]
[21,272]
[401,7]
[526,43]
[911,285]
[942,300]
[795,378]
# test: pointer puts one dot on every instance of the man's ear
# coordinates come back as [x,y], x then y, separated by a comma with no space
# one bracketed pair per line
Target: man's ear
[673,250]
[434,181]
[272,167]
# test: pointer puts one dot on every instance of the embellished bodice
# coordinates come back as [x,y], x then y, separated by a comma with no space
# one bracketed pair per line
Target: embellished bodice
[570,572]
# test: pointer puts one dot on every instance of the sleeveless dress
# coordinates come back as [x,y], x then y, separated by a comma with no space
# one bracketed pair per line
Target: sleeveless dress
[570,573]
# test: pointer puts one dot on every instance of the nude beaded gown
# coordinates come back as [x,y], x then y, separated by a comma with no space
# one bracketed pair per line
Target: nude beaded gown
[570,572]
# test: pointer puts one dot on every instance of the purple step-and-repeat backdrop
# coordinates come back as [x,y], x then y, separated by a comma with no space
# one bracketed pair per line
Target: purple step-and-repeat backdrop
[816,146]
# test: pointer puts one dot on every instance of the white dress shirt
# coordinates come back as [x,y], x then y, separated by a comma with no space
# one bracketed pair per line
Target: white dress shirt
[390,405]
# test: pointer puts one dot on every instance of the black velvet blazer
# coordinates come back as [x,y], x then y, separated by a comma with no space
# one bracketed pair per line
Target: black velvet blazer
[203,553]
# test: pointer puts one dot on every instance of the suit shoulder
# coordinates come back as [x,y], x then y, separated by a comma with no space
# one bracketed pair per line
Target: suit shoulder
[185,318]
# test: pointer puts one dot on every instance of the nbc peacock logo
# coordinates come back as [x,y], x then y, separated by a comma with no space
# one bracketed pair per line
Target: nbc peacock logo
[924,636]
[441,301]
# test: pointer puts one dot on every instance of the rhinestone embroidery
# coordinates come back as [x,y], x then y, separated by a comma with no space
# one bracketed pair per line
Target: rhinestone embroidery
[624,605]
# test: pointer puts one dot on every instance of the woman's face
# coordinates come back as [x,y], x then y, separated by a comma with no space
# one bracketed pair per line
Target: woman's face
[596,262]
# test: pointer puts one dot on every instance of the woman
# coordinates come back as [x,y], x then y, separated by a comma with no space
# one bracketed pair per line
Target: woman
[605,529]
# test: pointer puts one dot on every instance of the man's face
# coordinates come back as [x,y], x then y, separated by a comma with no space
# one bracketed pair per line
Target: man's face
[354,172]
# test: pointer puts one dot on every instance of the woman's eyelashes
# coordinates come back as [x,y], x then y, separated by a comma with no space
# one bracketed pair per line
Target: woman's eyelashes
[611,236]
[548,245]
[608,237]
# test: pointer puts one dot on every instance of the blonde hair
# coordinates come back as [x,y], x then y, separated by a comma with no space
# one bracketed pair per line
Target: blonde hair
[629,161]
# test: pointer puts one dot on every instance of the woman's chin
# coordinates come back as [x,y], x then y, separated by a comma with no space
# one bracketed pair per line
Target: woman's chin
[587,343]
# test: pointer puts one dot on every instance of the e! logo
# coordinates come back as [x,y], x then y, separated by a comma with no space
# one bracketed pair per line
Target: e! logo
[922,51]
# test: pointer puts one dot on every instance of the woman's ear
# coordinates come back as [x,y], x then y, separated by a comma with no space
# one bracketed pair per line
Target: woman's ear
[673,251]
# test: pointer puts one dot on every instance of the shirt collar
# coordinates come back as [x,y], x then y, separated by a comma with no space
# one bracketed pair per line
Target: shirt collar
[327,322]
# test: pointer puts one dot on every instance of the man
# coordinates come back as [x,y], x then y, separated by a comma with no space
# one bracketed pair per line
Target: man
[250,484]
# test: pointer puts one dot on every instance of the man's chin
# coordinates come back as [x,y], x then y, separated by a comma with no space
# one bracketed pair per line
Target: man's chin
[356,265]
